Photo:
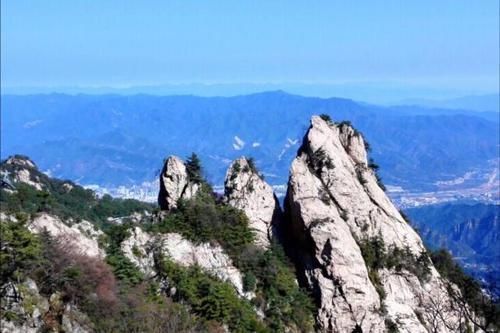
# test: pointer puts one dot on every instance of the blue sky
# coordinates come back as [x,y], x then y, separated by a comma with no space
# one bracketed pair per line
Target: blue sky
[450,44]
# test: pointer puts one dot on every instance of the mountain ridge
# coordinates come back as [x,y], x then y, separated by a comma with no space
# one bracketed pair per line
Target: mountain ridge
[353,250]
[271,119]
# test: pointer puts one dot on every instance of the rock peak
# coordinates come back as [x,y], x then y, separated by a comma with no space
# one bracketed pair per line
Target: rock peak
[175,183]
[245,189]
[336,206]
[21,161]
[20,169]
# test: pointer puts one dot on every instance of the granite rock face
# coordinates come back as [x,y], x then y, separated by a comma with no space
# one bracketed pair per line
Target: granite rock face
[35,312]
[245,189]
[81,238]
[175,184]
[20,169]
[334,202]
[140,248]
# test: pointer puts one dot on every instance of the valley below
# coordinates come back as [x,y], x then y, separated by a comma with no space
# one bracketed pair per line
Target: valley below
[480,185]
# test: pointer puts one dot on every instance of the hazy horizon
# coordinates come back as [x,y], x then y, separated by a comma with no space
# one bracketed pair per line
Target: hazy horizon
[379,52]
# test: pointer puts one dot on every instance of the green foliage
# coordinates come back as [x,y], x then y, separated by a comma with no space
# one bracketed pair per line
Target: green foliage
[345,123]
[377,257]
[249,281]
[251,165]
[141,308]
[20,250]
[278,296]
[368,147]
[123,268]
[391,326]
[210,298]
[372,165]
[124,307]
[379,182]
[470,289]
[77,203]
[326,118]
[359,175]
[194,169]
[132,303]
[374,254]
[395,258]
[318,159]
[136,251]
[268,273]
[87,283]
[375,168]
[373,251]
[404,259]
[236,168]
[202,220]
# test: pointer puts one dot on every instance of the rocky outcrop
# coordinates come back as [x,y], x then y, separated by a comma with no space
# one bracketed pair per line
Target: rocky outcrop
[140,248]
[333,203]
[82,236]
[30,312]
[175,184]
[20,169]
[245,189]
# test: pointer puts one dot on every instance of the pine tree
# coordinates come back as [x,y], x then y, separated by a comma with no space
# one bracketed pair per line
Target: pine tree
[193,168]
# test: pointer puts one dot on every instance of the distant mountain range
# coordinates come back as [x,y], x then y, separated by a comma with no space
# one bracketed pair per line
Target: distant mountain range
[470,232]
[121,140]
[490,102]
[383,93]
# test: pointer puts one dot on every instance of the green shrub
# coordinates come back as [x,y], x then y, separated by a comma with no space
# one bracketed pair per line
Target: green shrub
[373,251]
[236,168]
[77,204]
[249,281]
[372,165]
[281,299]
[123,268]
[210,298]
[20,250]
[203,220]
[345,123]
[379,182]
[326,118]
[471,292]
[391,326]
[376,257]
[251,165]
[317,160]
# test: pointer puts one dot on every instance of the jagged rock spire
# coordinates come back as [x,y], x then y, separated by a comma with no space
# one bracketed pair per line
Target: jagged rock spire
[175,184]
[246,190]
[334,203]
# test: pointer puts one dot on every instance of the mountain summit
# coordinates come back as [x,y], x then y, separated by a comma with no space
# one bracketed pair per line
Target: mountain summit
[366,266]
